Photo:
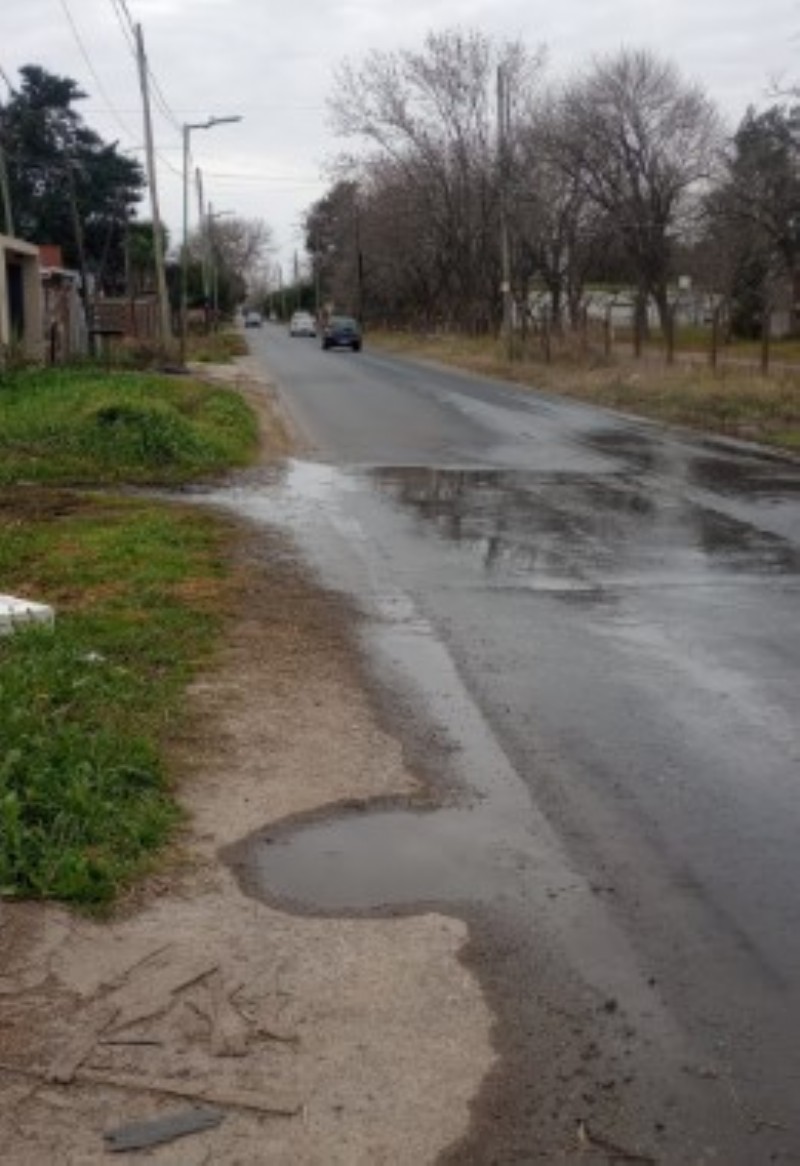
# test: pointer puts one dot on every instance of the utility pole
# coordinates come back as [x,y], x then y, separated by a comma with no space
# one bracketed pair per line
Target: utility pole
[359,259]
[185,134]
[503,127]
[164,324]
[77,230]
[204,241]
[317,280]
[282,292]
[5,191]
[214,260]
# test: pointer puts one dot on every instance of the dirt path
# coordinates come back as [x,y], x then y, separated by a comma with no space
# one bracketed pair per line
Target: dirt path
[320,1041]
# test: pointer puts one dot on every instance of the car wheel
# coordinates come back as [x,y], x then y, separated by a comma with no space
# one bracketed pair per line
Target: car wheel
[357,346]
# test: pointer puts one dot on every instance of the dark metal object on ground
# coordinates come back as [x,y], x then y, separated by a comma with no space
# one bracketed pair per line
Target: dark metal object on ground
[141,1135]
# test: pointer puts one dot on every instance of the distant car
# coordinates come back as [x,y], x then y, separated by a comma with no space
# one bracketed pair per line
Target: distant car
[342,332]
[302,324]
[252,319]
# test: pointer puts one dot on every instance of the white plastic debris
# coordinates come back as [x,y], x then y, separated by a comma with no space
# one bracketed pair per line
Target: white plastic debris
[15,613]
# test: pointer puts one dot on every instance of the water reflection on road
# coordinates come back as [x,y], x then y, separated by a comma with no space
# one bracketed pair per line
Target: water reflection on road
[612,659]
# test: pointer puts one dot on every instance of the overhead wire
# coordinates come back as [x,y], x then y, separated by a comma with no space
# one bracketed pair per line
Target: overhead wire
[101,88]
[292,179]
[128,27]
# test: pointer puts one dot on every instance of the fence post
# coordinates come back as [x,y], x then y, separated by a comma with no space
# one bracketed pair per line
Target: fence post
[637,333]
[714,350]
[766,320]
[546,337]
[670,334]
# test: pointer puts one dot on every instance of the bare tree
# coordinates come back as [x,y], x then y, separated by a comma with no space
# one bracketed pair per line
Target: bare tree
[643,144]
[241,245]
[228,253]
[561,236]
[427,120]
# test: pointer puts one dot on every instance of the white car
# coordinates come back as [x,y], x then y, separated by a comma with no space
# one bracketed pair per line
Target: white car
[302,324]
[252,319]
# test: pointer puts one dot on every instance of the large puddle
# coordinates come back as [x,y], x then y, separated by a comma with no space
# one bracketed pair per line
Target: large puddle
[373,534]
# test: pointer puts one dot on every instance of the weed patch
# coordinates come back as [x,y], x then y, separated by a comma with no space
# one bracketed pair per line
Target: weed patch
[216,347]
[90,426]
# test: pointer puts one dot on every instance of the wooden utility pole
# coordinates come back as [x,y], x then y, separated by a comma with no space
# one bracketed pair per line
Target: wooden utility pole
[503,126]
[164,324]
[77,230]
[359,260]
[5,191]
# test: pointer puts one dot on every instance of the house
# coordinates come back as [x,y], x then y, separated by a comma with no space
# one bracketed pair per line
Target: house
[21,328]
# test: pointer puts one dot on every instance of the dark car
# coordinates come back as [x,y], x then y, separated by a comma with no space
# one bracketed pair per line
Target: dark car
[342,332]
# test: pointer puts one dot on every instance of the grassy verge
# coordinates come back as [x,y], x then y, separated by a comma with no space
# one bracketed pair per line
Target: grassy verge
[735,403]
[90,426]
[216,347]
[85,708]
[140,593]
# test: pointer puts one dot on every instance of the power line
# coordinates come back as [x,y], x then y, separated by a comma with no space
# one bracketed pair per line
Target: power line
[162,103]
[84,53]
[126,24]
[129,28]
[197,110]
[124,6]
[292,178]
[126,32]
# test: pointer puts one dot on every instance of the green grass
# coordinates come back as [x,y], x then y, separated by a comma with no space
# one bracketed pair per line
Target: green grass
[89,426]
[88,707]
[85,708]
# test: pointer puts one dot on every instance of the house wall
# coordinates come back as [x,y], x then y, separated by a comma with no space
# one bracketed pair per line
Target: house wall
[20,314]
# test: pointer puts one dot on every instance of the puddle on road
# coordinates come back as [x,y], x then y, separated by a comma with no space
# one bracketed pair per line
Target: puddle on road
[563,538]
[755,478]
[568,533]
[385,861]
[552,540]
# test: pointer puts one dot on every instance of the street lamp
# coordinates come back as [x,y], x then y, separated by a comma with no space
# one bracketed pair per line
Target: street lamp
[187,129]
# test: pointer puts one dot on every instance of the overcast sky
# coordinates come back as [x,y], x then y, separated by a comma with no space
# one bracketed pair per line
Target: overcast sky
[273,63]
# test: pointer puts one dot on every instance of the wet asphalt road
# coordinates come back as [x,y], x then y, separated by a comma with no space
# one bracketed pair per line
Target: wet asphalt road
[586,628]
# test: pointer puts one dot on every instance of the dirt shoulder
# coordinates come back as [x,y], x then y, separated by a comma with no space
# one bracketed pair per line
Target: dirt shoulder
[319,1040]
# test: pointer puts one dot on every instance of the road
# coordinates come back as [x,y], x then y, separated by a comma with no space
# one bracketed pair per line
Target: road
[585,629]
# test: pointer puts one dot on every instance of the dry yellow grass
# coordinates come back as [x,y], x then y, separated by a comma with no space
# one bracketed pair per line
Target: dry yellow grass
[736,401]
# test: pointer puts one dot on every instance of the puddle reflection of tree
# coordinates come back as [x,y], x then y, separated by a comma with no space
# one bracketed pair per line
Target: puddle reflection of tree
[556,525]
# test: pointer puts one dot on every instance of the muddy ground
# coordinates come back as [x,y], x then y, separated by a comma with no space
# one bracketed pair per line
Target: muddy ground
[316,1040]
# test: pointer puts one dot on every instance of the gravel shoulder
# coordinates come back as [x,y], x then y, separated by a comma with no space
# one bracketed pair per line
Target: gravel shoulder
[319,1040]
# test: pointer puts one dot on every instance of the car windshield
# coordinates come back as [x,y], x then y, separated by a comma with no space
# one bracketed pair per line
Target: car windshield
[343,322]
